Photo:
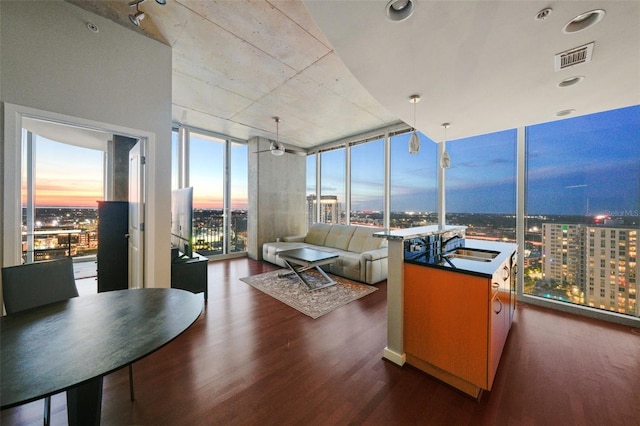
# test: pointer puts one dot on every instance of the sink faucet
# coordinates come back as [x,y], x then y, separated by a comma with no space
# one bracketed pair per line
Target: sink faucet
[443,244]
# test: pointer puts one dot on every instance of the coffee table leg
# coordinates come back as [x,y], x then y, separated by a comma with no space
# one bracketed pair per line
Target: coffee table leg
[298,272]
[84,403]
[329,282]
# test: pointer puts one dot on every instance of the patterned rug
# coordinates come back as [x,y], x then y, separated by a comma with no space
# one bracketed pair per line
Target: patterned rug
[314,303]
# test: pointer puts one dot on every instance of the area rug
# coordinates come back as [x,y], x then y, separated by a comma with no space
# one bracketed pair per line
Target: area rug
[314,303]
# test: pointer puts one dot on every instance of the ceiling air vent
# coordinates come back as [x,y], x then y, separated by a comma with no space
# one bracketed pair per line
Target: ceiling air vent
[569,58]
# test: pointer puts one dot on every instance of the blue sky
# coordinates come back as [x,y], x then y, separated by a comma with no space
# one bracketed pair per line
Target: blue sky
[582,165]
[585,165]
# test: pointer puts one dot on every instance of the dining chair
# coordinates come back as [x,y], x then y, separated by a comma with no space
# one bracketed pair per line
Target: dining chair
[36,284]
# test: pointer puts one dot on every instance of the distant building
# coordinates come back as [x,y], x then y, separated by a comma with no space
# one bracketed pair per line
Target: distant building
[596,265]
[613,269]
[563,253]
[329,209]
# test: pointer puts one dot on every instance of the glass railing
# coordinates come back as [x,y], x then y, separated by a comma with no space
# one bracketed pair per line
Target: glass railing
[208,232]
[47,244]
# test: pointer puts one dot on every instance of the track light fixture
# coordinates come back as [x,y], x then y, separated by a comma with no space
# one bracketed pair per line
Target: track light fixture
[139,15]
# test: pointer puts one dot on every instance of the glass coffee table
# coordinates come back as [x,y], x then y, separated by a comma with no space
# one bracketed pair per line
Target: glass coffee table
[302,259]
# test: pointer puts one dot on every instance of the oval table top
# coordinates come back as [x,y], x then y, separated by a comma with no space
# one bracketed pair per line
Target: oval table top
[55,347]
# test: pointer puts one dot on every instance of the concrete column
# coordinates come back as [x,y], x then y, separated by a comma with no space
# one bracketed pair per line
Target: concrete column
[277,195]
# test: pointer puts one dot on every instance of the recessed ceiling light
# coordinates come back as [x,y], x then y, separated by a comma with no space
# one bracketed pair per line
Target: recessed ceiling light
[399,10]
[92,27]
[583,21]
[570,81]
[543,14]
[565,112]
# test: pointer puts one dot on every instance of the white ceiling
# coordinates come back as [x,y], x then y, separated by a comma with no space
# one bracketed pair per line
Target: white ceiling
[484,66]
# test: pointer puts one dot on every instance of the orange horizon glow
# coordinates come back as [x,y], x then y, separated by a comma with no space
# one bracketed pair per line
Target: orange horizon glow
[63,192]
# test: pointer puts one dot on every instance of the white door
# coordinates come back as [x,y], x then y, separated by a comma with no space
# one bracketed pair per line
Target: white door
[136,216]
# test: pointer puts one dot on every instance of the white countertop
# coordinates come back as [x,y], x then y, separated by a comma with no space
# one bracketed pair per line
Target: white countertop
[419,231]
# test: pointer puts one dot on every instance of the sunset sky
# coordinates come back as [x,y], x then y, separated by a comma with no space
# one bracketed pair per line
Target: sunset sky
[66,175]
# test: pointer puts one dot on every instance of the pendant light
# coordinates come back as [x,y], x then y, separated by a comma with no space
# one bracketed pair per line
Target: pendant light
[445,161]
[414,140]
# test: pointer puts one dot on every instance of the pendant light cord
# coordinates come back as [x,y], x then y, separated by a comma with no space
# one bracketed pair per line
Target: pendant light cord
[414,116]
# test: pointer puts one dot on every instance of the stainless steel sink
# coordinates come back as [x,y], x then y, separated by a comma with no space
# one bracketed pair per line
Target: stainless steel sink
[472,254]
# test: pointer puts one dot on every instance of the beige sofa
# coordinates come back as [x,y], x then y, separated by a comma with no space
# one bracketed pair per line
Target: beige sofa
[362,257]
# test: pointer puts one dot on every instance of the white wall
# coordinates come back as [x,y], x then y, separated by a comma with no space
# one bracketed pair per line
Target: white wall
[52,62]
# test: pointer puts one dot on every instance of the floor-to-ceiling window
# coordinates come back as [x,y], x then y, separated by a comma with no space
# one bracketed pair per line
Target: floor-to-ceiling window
[413,186]
[481,185]
[61,185]
[332,186]
[217,172]
[367,183]
[206,173]
[581,196]
[582,199]
[238,197]
[311,207]
[175,145]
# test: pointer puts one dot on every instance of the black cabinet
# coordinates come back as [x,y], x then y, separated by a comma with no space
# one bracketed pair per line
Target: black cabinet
[190,274]
[113,250]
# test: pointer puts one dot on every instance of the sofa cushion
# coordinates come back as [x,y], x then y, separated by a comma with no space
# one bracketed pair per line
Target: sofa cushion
[339,236]
[363,240]
[348,265]
[317,234]
[270,251]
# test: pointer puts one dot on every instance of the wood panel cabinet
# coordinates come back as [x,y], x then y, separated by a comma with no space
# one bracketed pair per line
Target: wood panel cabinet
[455,324]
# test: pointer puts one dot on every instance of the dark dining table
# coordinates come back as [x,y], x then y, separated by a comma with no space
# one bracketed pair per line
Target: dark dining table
[70,345]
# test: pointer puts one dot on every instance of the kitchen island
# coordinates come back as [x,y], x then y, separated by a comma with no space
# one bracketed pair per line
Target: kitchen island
[450,304]
[394,351]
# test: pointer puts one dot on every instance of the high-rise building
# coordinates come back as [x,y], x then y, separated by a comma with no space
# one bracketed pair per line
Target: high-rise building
[613,269]
[329,209]
[563,257]
[595,265]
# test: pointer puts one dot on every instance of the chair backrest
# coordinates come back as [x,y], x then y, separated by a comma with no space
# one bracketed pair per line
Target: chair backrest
[35,284]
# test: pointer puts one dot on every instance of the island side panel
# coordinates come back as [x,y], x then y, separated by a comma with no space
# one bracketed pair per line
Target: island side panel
[394,351]
[446,321]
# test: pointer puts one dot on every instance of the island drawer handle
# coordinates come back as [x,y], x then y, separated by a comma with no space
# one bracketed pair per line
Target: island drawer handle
[499,310]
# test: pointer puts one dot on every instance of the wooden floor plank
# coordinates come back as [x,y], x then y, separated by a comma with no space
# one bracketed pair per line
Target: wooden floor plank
[253,360]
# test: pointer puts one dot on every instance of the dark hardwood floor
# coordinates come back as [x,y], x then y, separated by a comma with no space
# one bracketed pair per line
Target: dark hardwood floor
[249,359]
